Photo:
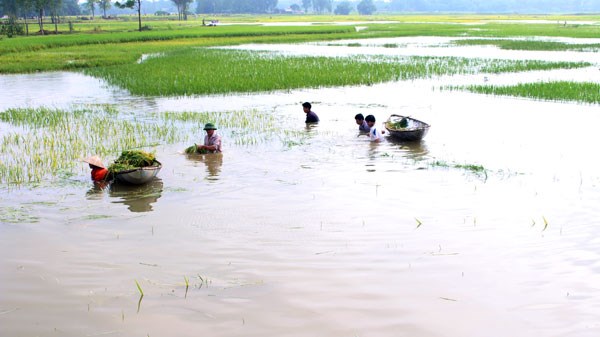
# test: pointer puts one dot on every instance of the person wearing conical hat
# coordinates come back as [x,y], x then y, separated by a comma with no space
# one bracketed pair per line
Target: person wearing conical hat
[212,141]
[99,172]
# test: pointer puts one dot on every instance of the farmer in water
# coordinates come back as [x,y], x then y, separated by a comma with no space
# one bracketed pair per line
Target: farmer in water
[99,172]
[212,141]
[311,116]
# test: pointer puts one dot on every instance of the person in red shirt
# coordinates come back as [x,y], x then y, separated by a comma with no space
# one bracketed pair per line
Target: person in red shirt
[99,172]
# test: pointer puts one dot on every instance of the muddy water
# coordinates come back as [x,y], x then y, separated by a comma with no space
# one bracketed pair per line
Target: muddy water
[332,236]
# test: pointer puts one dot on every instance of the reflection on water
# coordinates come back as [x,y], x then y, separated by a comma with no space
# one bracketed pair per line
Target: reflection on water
[97,190]
[138,198]
[213,162]
[411,149]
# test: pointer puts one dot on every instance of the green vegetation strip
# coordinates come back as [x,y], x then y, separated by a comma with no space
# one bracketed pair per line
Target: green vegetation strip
[530,45]
[200,71]
[39,145]
[554,91]
[35,43]
[106,43]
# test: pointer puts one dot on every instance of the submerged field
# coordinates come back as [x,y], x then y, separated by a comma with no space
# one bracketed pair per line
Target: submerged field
[487,227]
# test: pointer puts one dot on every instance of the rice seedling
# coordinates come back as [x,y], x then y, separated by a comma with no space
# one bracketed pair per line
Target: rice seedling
[187,285]
[584,92]
[139,288]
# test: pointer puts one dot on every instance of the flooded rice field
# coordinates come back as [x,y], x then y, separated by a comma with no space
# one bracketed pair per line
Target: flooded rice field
[325,235]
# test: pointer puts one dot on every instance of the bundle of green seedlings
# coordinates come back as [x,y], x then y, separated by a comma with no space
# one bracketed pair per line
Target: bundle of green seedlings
[401,124]
[194,149]
[132,159]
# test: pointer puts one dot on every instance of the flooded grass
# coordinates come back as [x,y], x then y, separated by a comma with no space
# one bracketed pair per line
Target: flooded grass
[473,168]
[584,92]
[116,43]
[213,71]
[47,143]
[530,45]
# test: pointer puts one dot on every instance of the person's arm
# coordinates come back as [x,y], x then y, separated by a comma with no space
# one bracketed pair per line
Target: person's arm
[207,147]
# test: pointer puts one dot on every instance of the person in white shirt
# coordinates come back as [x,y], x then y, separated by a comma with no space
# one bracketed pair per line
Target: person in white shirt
[374,133]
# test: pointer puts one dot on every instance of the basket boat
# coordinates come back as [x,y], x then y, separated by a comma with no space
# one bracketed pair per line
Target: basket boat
[140,175]
[414,130]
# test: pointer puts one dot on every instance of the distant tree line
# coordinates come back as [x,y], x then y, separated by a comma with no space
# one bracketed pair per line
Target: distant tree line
[236,6]
[491,6]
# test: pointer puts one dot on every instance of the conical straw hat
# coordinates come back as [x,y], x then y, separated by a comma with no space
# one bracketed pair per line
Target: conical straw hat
[94,160]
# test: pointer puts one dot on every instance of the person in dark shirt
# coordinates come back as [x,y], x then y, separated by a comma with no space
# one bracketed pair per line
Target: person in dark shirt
[363,127]
[311,116]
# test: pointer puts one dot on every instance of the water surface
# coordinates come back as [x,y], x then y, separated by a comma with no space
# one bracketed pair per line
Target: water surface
[328,236]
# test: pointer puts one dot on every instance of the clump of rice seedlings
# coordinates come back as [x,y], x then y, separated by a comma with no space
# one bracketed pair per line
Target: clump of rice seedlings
[585,92]
[132,159]
[477,169]
[184,71]
[390,45]
[530,44]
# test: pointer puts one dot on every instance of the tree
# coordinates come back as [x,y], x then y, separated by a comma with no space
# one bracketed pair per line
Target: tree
[343,8]
[91,5]
[9,8]
[70,7]
[366,7]
[39,7]
[295,7]
[182,8]
[104,5]
[321,6]
[207,6]
[306,4]
[133,4]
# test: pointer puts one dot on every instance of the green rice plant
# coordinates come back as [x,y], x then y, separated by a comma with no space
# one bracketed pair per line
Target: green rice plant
[584,92]
[473,168]
[139,288]
[213,71]
[118,44]
[530,45]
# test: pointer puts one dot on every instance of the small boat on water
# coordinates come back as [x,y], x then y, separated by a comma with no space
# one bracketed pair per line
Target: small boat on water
[406,128]
[139,175]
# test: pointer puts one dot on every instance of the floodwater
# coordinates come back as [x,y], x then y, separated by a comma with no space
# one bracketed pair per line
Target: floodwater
[333,236]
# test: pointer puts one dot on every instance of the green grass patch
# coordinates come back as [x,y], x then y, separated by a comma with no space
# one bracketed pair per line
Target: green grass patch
[555,91]
[530,45]
[200,71]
